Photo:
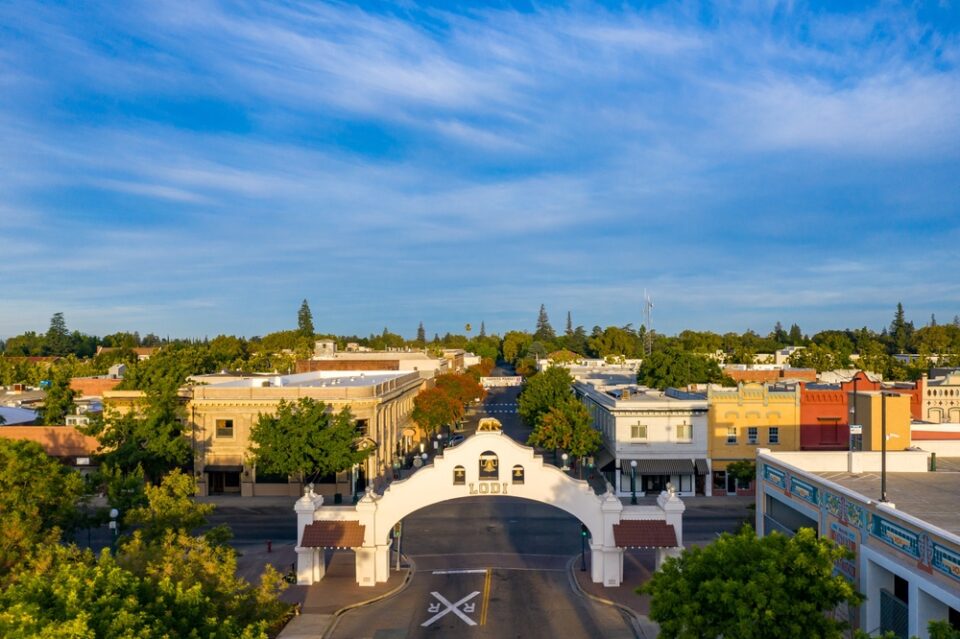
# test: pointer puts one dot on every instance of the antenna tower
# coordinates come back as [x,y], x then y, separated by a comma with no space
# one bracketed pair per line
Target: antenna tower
[647,324]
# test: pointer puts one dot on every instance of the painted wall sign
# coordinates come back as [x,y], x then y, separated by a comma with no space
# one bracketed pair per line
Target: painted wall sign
[843,536]
[946,561]
[900,538]
[775,476]
[803,490]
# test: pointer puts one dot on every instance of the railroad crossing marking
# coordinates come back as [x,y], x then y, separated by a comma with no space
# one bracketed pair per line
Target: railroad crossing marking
[452,607]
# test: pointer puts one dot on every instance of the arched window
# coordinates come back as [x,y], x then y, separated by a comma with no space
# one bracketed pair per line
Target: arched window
[459,476]
[517,475]
[489,466]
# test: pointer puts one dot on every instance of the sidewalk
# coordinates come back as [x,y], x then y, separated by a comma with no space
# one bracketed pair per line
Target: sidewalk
[638,566]
[338,591]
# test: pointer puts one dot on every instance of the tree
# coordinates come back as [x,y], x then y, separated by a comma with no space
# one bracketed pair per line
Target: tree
[58,337]
[483,329]
[462,388]
[544,332]
[569,330]
[752,588]
[674,368]
[58,402]
[304,439]
[38,500]
[901,331]
[542,392]
[744,471]
[150,437]
[169,506]
[435,408]
[305,320]
[796,335]
[779,334]
[421,335]
[567,426]
[515,345]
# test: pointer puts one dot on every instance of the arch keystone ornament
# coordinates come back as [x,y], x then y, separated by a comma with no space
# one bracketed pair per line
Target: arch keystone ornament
[486,463]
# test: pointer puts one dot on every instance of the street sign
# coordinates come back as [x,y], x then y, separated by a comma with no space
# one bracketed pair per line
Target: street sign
[856,429]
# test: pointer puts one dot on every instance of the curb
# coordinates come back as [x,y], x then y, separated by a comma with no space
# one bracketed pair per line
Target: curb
[629,612]
[411,569]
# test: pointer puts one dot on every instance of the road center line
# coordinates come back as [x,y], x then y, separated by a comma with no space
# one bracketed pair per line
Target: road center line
[459,572]
[486,598]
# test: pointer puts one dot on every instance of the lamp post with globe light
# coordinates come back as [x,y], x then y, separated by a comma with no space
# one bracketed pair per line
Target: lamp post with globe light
[633,482]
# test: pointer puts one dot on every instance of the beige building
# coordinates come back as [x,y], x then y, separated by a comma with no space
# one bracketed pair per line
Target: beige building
[223,414]
[940,402]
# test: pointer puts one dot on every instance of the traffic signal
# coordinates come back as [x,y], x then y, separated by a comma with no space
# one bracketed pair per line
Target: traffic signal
[583,530]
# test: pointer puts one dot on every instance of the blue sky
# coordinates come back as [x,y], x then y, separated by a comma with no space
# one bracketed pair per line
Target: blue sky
[199,168]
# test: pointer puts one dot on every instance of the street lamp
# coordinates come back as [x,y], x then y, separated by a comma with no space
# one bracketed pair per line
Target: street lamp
[114,513]
[564,458]
[853,411]
[883,444]
[633,482]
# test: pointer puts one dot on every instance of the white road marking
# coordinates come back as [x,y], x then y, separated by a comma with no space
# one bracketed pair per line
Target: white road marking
[459,572]
[451,607]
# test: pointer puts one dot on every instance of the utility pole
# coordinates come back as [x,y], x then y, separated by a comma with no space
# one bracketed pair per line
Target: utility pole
[647,323]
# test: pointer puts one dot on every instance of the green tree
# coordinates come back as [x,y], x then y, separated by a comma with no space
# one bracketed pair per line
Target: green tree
[673,368]
[305,320]
[57,341]
[816,356]
[752,588]
[615,341]
[544,332]
[796,335]
[515,344]
[58,402]
[169,506]
[462,388]
[435,408]
[901,331]
[304,439]
[38,501]
[421,335]
[542,392]
[567,426]
[483,329]
[151,436]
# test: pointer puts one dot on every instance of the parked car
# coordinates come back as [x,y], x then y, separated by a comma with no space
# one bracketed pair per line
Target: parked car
[454,440]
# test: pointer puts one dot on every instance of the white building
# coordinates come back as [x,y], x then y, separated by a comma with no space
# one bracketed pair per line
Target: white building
[906,551]
[656,438]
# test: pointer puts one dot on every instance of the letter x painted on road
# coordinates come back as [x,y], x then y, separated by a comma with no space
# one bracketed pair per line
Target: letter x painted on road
[451,607]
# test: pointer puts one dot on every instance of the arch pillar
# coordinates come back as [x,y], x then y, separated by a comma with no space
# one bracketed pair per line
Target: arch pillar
[311,562]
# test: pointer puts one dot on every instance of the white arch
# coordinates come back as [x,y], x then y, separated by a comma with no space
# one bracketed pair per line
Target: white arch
[435,484]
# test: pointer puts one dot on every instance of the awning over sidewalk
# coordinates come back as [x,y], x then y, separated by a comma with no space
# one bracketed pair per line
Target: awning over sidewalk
[701,465]
[644,533]
[661,466]
[602,460]
[332,534]
[222,468]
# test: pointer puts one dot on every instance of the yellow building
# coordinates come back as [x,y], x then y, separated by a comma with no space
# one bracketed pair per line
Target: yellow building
[871,407]
[222,415]
[742,419]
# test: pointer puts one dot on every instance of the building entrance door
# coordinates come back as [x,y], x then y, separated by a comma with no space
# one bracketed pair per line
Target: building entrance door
[655,483]
[731,485]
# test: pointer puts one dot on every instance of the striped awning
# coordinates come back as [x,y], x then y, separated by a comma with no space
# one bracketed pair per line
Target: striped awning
[701,465]
[660,466]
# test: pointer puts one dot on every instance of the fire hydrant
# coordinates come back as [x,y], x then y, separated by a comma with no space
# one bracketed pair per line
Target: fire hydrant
[269,545]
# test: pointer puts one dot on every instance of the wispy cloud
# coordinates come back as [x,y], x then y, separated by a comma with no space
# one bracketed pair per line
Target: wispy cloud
[753,161]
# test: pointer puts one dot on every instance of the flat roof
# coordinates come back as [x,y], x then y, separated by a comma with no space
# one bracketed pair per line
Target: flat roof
[316,379]
[932,497]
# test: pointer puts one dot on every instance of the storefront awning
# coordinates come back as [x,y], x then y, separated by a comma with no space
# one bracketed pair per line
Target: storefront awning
[701,465]
[603,459]
[222,468]
[332,534]
[660,466]
[644,533]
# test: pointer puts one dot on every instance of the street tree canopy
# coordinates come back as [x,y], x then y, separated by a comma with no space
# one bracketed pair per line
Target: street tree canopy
[170,506]
[304,439]
[773,587]
[542,392]
[435,408]
[462,388]
[567,426]
[673,368]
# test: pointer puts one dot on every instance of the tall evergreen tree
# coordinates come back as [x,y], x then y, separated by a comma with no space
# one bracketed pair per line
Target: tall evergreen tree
[779,334]
[796,335]
[58,338]
[569,324]
[58,402]
[900,330]
[933,319]
[483,329]
[421,335]
[956,321]
[305,320]
[544,332]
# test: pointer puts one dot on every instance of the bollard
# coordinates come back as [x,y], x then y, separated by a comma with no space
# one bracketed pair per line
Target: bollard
[269,545]
[933,462]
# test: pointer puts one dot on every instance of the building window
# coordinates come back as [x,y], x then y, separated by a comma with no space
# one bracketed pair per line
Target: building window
[638,431]
[731,434]
[224,428]
[774,435]
[685,432]
[752,435]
